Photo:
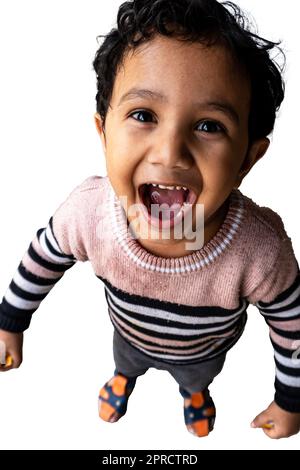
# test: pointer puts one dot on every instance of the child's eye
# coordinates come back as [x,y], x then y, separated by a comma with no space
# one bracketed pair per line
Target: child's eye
[210,127]
[145,115]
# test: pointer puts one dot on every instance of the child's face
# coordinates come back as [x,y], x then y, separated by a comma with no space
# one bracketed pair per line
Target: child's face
[194,135]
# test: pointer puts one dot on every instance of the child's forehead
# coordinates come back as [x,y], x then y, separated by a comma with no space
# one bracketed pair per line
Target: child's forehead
[169,57]
[182,67]
[171,47]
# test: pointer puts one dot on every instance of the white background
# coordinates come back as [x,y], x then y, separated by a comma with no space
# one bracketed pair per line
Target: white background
[49,145]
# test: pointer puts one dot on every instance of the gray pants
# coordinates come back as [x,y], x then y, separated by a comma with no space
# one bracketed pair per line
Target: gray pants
[193,378]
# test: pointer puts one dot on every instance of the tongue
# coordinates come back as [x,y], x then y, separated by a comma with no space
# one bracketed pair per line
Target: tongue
[166,196]
[169,202]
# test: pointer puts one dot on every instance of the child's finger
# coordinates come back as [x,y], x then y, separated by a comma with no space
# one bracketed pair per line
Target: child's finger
[268,425]
[263,420]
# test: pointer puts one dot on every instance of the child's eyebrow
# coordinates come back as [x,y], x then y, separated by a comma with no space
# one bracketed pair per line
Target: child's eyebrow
[142,93]
[222,106]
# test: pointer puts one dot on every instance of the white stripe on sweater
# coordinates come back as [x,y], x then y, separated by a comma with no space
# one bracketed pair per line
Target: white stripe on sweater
[164,329]
[54,258]
[30,286]
[167,315]
[19,302]
[293,312]
[287,361]
[284,303]
[287,379]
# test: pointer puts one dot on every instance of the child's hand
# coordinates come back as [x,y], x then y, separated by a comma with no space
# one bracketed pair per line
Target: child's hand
[281,423]
[10,350]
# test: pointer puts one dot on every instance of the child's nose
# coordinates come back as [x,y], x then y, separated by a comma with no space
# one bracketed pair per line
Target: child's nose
[171,151]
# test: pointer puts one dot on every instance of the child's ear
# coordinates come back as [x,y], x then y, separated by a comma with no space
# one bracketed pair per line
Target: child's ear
[255,152]
[100,129]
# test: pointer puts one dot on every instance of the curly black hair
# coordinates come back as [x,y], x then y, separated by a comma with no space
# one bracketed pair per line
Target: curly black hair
[205,21]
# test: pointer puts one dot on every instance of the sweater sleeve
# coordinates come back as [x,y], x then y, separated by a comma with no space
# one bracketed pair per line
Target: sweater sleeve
[279,303]
[54,249]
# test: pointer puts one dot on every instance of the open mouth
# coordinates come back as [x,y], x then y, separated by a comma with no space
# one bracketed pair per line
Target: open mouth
[166,202]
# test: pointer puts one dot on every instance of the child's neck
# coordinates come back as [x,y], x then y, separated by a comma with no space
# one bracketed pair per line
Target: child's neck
[178,247]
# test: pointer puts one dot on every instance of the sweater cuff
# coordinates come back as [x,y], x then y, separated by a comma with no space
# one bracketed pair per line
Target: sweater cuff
[287,398]
[14,324]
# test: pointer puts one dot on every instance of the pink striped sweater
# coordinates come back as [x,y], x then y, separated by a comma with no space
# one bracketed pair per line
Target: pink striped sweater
[178,310]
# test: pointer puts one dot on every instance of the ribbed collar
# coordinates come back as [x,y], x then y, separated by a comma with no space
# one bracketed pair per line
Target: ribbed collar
[194,261]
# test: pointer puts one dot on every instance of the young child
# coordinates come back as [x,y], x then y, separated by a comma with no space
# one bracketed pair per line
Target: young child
[187,96]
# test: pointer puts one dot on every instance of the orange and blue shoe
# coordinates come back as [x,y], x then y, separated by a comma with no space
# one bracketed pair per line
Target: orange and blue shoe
[113,397]
[199,412]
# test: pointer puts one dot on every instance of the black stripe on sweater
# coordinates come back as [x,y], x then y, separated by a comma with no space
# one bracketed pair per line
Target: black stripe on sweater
[174,336]
[287,390]
[47,264]
[151,343]
[34,278]
[272,312]
[51,248]
[166,322]
[293,372]
[184,310]
[283,351]
[15,312]
[25,294]
[286,334]
[64,254]
[285,294]
[282,319]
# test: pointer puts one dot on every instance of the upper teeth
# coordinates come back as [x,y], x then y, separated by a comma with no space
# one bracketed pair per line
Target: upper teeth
[168,187]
